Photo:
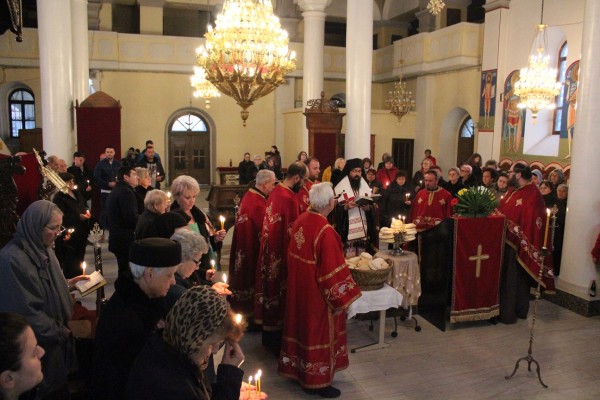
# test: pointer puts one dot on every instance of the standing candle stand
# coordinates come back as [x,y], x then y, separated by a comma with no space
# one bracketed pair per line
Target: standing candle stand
[398,243]
[94,237]
[529,358]
[236,201]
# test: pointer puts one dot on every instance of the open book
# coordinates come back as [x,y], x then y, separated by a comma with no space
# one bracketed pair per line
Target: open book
[366,200]
[95,282]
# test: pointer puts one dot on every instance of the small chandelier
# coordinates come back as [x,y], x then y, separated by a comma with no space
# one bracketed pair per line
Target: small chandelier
[246,55]
[435,6]
[203,88]
[400,99]
[537,86]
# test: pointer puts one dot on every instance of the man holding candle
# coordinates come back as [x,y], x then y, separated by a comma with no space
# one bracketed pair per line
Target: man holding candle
[154,166]
[320,289]
[246,243]
[84,177]
[527,220]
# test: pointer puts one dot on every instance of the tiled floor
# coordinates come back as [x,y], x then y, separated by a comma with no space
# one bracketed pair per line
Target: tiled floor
[469,361]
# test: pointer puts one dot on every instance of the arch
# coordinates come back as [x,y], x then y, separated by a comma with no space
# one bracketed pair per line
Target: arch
[5,91]
[449,132]
[210,127]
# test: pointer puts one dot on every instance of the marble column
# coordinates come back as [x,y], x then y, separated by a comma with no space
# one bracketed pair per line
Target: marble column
[81,58]
[583,214]
[359,67]
[54,31]
[314,42]
[151,17]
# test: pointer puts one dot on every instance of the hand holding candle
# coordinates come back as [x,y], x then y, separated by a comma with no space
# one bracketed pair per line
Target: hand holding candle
[224,278]
[222,219]
[83,266]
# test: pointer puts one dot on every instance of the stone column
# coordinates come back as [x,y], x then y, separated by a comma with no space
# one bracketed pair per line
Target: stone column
[314,42]
[151,17]
[54,31]
[359,67]
[105,16]
[81,58]
[583,213]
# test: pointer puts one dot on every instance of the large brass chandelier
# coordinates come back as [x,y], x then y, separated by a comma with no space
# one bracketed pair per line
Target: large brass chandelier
[537,86]
[203,88]
[435,6]
[400,99]
[246,55]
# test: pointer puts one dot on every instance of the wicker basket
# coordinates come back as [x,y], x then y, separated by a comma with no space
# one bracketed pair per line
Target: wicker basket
[372,279]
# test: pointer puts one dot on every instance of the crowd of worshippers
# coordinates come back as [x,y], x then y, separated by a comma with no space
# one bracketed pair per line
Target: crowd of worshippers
[156,335]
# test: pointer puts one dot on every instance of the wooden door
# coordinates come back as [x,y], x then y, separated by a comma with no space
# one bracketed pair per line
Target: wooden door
[402,153]
[189,149]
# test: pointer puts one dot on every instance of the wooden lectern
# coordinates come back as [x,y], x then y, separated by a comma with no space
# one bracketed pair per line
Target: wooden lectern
[324,124]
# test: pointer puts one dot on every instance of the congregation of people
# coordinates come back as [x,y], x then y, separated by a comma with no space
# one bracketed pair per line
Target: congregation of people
[294,228]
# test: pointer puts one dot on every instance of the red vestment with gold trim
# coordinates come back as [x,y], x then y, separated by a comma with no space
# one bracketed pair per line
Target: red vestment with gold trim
[320,289]
[244,251]
[281,212]
[526,220]
[429,208]
[302,195]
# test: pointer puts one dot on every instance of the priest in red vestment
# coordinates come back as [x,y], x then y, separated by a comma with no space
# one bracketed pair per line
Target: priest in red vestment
[320,289]
[281,212]
[430,205]
[526,218]
[314,169]
[246,242]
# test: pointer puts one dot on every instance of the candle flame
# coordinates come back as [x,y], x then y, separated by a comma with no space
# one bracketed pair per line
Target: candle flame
[224,278]
[222,218]
[83,267]
[238,318]
[548,211]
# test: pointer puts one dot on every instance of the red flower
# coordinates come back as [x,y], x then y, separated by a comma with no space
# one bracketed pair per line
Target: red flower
[453,202]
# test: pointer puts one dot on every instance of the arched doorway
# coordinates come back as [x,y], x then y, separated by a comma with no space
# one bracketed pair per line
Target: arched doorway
[188,134]
[466,140]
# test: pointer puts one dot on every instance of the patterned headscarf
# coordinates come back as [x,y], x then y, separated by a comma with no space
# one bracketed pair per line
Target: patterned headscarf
[193,318]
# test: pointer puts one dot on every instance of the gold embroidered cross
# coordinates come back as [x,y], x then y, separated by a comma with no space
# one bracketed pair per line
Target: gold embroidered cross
[519,202]
[478,258]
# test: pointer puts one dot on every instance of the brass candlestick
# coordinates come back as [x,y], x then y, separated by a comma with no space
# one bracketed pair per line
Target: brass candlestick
[529,357]
[94,237]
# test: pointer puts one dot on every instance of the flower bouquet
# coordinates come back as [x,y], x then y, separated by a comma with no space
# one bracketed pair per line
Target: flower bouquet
[475,202]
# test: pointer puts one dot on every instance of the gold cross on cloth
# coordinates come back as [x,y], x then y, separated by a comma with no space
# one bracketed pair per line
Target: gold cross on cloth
[478,258]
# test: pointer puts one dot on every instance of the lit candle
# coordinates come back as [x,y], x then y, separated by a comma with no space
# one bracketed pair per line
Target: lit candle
[224,278]
[74,187]
[169,195]
[256,383]
[222,219]
[249,383]
[259,375]
[407,196]
[421,183]
[83,266]
[547,226]
[88,182]
[403,218]
[238,318]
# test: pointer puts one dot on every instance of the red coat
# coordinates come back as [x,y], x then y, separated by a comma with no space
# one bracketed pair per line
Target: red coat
[281,212]
[244,251]
[320,289]
[386,176]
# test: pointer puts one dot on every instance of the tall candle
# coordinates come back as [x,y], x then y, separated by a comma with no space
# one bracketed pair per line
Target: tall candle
[259,375]
[547,226]
[222,219]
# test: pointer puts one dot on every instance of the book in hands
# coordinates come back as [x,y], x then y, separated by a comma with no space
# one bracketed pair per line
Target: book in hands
[95,282]
[366,200]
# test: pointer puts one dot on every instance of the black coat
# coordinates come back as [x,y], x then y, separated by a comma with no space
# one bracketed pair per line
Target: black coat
[122,217]
[70,253]
[125,325]
[161,372]
[140,195]
[243,171]
[454,188]
[82,179]
[393,203]
[146,225]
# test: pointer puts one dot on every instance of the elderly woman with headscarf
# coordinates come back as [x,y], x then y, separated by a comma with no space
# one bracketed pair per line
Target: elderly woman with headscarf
[172,363]
[155,204]
[32,284]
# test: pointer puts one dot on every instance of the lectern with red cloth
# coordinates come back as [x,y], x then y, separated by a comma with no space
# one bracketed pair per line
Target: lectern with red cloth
[477,260]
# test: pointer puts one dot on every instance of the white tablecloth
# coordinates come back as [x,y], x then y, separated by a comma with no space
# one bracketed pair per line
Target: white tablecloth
[375,300]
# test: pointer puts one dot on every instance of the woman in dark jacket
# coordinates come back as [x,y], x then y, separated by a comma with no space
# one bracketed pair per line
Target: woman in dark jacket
[155,203]
[172,363]
[394,199]
[185,189]
[548,193]
[143,187]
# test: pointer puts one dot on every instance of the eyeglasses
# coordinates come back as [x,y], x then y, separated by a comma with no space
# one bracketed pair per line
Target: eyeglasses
[197,262]
[58,229]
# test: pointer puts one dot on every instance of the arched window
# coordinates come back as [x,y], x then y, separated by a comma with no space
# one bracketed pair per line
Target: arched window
[21,111]
[189,123]
[562,69]
[467,130]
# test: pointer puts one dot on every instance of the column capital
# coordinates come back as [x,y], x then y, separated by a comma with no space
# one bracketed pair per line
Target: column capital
[492,5]
[313,5]
[152,3]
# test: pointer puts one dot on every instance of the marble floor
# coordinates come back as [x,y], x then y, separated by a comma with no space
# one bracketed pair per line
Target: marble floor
[469,361]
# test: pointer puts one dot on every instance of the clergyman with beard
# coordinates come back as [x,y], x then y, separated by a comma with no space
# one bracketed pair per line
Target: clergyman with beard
[355,224]
[281,211]
[432,205]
